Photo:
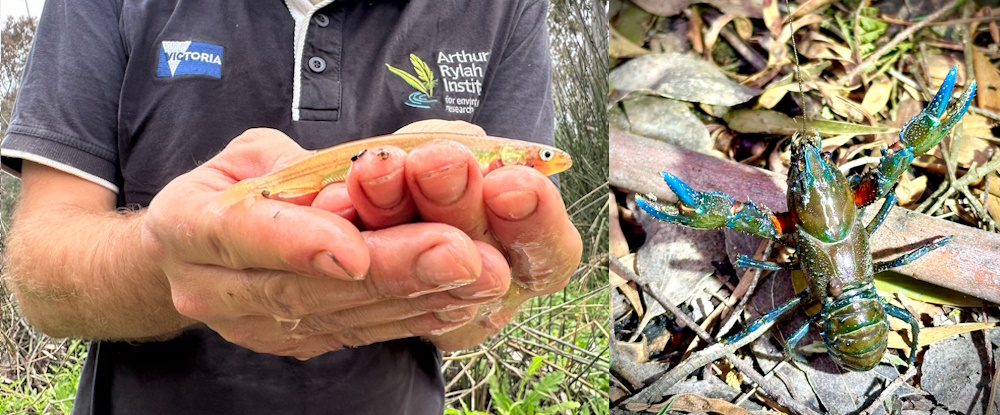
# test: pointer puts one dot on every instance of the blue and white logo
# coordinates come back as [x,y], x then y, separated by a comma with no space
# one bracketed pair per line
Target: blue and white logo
[189,58]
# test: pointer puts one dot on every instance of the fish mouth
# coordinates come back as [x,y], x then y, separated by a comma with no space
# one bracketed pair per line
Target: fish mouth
[561,164]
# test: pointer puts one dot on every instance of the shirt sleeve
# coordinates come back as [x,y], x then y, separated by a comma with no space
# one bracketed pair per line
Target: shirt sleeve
[66,113]
[517,100]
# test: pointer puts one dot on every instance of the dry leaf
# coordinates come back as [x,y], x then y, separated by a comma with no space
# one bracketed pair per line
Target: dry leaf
[877,95]
[712,35]
[929,335]
[817,46]
[617,245]
[836,99]
[987,80]
[773,95]
[636,351]
[939,65]
[694,31]
[693,403]
[993,198]
[627,289]
[772,17]
[680,76]
[909,190]
[809,6]
[620,47]
[743,27]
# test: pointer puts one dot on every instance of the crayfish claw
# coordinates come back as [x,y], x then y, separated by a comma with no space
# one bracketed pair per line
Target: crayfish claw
[927,128]
[941,98]
[684,192]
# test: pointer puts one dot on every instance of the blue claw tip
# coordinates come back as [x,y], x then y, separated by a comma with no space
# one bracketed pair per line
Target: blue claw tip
[684,192]
[941,98]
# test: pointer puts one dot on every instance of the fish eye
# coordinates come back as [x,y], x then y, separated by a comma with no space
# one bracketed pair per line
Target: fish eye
[546,154]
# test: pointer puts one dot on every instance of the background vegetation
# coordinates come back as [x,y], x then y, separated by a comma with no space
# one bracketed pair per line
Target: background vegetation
[552,359]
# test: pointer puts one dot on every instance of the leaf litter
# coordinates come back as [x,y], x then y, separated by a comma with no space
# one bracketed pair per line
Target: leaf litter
[747,111]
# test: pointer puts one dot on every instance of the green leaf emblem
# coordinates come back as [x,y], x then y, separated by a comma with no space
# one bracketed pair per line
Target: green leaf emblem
[424,80]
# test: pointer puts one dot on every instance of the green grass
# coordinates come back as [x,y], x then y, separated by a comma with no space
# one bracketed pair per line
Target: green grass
[49,391]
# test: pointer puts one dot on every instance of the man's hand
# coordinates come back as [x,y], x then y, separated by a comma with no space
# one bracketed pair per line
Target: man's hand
[294,280]
[516,210]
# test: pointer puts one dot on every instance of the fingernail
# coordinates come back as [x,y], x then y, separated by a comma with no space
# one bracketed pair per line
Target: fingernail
[456,315]
[445,185]
[514,204]
[327,264]
[437,266]
[496,288]
[385,191]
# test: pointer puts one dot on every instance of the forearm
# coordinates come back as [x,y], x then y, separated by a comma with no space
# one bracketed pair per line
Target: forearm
[81,273]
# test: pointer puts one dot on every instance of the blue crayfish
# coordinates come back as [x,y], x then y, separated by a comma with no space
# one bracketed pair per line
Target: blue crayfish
[824,225]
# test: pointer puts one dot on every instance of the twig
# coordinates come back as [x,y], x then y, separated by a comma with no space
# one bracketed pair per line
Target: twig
[743,300]
[661,385]
[889,390]
[846,79]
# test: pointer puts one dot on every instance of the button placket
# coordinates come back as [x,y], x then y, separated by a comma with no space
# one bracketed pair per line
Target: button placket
[321,20]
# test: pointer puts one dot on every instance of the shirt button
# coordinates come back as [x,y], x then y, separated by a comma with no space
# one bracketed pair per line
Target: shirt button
[317,64]
[321,20]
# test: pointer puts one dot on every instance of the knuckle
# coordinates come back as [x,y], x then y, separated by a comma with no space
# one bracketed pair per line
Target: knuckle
[189,305]
[283,297]
[325,323]
[347,338]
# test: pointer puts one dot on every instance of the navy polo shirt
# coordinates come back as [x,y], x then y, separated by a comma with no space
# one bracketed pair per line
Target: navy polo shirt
[131,94]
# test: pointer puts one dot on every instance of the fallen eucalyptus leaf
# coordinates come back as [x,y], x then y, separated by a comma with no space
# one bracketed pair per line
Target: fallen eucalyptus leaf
[893,283]
[680,76]
[774,122]
[909,190]
[931,335]
[692,403]
[667,120]
[988,81]
[877,95]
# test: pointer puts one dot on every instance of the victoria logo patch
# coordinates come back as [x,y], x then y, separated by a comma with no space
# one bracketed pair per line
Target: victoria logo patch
[178,58]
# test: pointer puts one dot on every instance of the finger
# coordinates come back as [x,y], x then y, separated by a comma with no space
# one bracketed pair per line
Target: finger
[486,288]
[214,294]
[527,215]
[335,198]
[494,279]
[279,236]
[265,335]
[254,153]
[437,125]
[268,336]
[447,187]
[448,310]
[407,261]
[419,258]
[377,186]
[425,324]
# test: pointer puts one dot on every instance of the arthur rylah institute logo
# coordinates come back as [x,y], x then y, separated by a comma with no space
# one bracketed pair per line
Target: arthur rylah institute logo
[423,82]
[179,58]
[462,73]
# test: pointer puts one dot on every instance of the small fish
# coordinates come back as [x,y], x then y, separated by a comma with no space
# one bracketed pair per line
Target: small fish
[312,171]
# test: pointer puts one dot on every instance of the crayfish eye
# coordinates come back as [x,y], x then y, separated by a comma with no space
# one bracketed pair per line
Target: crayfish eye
[545,154]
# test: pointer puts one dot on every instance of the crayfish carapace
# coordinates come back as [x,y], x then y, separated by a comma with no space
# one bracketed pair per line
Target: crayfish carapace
[824,225]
